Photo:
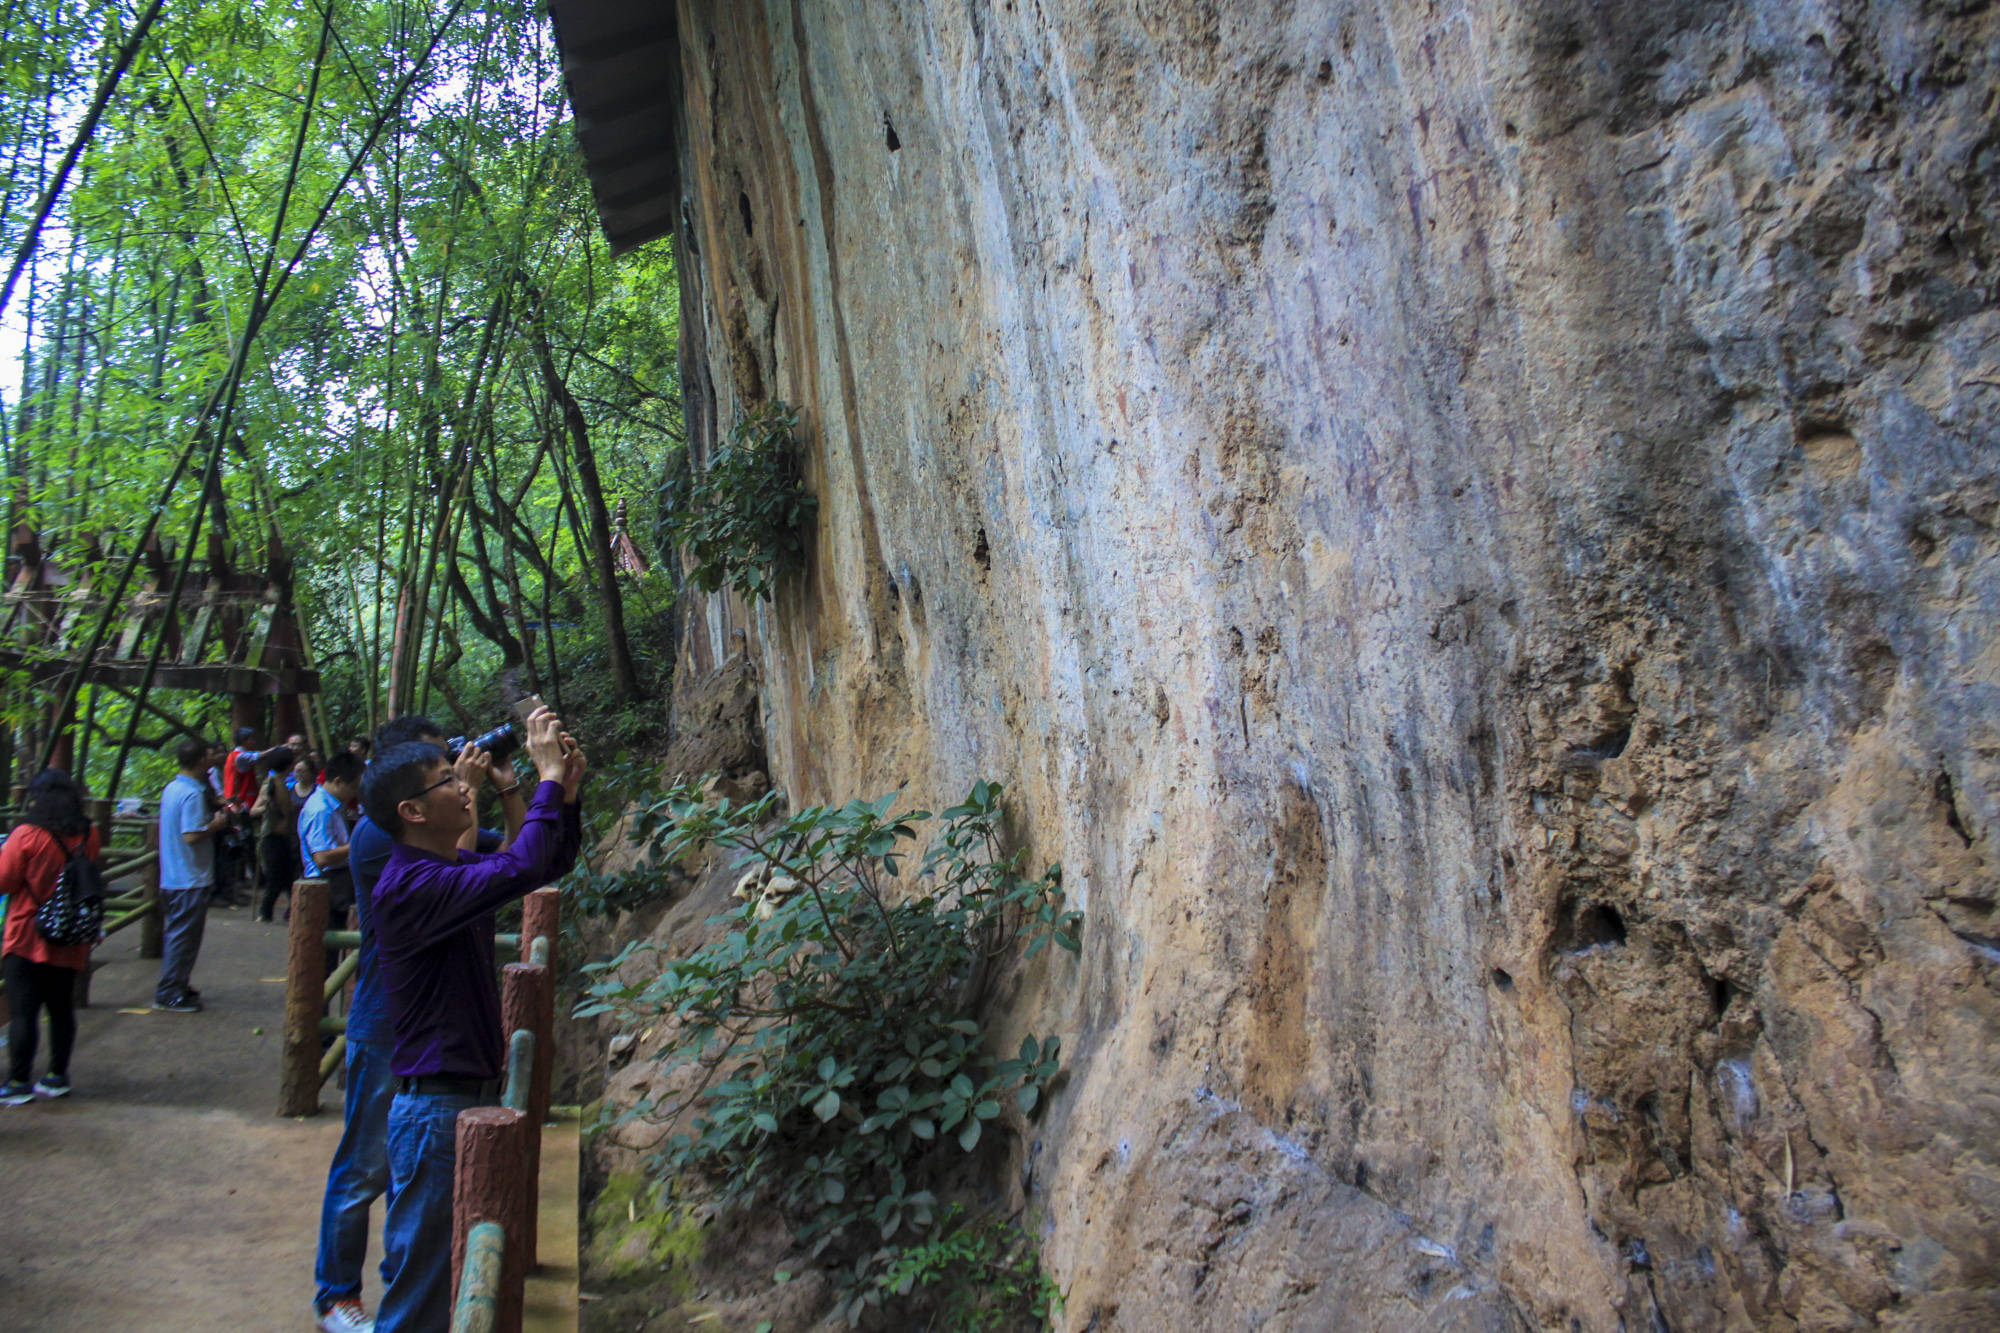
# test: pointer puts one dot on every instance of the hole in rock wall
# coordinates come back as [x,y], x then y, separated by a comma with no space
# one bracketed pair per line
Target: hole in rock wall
[1947,796]
[1601,925]
[743,207]
[1503,978]
[1594,926]
[982,555]
[1612,743]
[889,135]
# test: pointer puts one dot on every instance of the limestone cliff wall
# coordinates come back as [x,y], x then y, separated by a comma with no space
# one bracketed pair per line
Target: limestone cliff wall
[1470,531]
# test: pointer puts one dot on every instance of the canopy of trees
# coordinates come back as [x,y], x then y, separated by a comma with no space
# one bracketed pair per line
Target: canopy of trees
[330,269]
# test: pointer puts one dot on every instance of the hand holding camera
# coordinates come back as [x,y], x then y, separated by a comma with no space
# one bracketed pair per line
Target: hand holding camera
[545,744]
[473,765]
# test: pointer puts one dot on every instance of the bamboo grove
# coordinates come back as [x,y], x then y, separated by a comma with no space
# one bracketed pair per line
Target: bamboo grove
[328,270]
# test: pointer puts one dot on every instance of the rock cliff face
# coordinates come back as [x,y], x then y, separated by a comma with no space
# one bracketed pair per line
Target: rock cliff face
[1470,531]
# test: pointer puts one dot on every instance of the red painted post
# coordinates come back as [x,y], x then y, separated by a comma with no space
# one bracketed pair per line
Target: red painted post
[305,989]
[540,915]
[522,989]
[490,1186]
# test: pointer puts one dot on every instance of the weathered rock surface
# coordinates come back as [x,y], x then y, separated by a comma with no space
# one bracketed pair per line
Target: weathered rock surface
[1470,532]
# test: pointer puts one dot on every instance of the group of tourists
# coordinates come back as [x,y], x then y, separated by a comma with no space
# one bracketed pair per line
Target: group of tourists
[399,840]
[299,811]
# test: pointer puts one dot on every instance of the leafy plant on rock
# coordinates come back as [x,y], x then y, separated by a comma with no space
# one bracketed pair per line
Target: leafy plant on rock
[832,1061]
[975,1275]
[743,517]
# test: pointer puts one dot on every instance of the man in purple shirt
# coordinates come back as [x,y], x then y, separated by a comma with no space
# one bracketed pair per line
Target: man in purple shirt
[433,915]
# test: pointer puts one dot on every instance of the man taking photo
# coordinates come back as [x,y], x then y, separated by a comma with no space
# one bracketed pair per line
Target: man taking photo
[359,1172]
[433,923]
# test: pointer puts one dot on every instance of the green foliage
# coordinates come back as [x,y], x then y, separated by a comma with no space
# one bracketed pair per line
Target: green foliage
[394,415]
[624,789]
[972,1275]
[831,1061]
[742,519]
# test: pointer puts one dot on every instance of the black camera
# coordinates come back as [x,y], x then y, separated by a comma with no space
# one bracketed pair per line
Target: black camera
[501,742]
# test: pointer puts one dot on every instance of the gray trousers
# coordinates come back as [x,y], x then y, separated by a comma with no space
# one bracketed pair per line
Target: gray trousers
[186,917]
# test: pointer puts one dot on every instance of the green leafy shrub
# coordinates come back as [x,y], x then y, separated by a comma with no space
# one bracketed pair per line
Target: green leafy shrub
[972,1275]
[836,1066]
[743,518]
[627,788]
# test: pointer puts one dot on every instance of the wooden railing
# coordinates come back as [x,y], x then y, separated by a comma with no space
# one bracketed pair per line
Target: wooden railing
[310,991]
[496,1192]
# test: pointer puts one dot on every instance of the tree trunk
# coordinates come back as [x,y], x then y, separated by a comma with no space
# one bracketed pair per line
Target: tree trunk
[625,677]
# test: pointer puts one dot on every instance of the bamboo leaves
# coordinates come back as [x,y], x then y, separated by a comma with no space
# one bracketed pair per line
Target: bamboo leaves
[329,270]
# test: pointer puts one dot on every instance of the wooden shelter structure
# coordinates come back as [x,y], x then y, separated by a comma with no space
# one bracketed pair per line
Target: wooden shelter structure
[622,65]
[232,631]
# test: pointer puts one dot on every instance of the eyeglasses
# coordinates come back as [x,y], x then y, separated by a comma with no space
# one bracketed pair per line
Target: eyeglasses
[449,777]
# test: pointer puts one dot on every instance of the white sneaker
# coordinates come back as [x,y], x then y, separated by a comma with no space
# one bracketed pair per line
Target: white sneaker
[347,1316]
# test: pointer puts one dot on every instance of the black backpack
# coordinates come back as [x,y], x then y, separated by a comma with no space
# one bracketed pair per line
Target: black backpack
[74,913]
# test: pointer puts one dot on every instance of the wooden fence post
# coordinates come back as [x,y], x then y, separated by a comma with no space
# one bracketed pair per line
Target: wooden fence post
[522,1005]
[99,812]
[305,984]
[152,925]
[540,915]
[489,1185]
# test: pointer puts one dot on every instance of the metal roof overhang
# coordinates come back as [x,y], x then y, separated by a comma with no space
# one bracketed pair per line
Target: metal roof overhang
[621,63]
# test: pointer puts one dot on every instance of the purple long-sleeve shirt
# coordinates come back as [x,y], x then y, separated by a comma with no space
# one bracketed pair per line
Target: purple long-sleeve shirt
[434,939]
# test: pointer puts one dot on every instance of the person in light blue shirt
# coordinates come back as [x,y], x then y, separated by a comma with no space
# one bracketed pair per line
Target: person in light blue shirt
[189,822]
[323,835]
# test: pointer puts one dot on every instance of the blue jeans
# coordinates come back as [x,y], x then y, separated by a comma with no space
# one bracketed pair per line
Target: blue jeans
[186,917]
[416,1233]
[358,1176]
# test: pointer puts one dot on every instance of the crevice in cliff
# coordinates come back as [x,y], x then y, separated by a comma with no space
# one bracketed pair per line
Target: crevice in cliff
[1947,797]
[866,520]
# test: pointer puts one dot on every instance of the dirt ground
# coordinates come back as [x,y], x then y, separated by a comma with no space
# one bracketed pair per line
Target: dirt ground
[165,1195]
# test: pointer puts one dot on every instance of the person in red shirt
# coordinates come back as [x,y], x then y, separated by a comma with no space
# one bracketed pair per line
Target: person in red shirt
[40,975]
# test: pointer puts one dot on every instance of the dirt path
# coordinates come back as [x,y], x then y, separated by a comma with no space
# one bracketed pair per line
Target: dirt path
[165,1195]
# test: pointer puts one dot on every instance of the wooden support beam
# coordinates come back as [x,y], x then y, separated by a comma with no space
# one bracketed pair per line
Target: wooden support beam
[209,678]
[197,634]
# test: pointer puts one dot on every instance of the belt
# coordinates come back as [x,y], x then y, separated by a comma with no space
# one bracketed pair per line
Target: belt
[447,1085]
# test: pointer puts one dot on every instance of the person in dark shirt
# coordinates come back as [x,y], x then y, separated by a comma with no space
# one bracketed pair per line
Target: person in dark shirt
[432,911]
[359,1172]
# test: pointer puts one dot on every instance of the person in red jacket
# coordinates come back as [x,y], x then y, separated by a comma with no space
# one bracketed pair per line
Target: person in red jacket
[40,975]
